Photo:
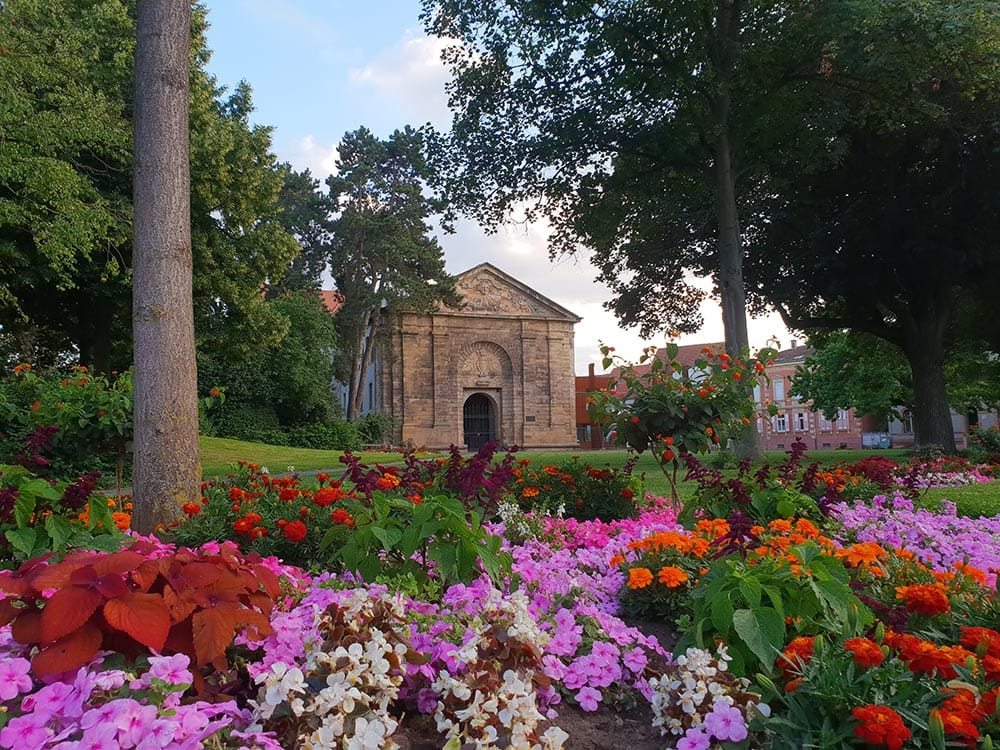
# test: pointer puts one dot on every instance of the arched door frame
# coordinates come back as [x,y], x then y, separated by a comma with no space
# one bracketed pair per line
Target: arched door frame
[478,427]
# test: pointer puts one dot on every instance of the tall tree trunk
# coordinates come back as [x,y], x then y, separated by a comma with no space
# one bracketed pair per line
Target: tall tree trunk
[732,293]
[924,348]
[364,361]
[166,472]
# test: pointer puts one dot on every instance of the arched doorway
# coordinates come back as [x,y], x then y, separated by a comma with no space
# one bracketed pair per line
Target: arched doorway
[479,421]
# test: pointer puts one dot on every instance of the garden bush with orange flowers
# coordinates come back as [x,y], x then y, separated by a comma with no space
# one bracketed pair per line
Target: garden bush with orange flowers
[575,489]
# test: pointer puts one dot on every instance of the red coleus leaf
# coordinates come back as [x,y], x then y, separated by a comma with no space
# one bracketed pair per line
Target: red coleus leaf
[146,574]
[257,625]
[213,630]
[180,605]
[142,616]
[67,610]
[268,580]
[117,563]
[27,627]
[70,652]
[14,585]
[8,611]
[194,575]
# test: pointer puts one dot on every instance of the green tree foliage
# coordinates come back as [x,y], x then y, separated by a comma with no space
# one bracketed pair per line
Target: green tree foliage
[631,127]
[864,372]
[65,189]
[282,385]
[306,213]
[901,230]
[854,370]
[382,258]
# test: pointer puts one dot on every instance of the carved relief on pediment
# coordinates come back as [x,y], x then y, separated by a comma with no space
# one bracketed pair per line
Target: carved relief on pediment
[485,293]
[483,361]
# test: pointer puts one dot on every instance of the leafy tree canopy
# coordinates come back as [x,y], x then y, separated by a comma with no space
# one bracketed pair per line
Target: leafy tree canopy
[383,259]
[65,187]
[900,231]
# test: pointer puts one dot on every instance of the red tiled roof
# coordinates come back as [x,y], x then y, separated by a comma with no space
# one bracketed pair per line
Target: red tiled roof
[332,300]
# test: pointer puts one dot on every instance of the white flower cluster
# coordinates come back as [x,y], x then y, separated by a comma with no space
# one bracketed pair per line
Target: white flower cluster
[489,701]
[692,687]
[340,695]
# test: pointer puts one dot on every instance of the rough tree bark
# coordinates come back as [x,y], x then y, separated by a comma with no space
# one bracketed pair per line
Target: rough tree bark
[166,471]
[923,344]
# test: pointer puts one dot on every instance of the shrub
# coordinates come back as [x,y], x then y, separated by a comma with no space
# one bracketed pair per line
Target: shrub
[374,429]
[66,422]
[985,444]
[330,436]
[578,490]
[671,410]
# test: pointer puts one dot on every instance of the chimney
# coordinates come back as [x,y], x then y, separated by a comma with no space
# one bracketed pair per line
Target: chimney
[794,343]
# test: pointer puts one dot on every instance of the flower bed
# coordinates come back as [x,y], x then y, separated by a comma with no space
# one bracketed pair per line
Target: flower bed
[876,629]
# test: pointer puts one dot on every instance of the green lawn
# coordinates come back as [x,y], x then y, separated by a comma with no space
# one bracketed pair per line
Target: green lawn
[218,455]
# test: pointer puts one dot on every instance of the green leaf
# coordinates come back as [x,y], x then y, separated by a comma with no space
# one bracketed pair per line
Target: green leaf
[23,540]
[39,488]
[388,535]
[722,613]
[60,530]
[750,589]
[369,568]
[762,630]
[24,509]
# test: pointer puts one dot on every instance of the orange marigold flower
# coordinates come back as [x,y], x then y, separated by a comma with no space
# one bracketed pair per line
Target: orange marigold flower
[671,576]
[780,526]
[342,517]
[295,531]
[242,525]
[328,496]
[627,493]
[925,599]
[985,638]
[863,553]
[191,509]
[668,455]
[880,726]
[969,571]
[866,653]
[529,492]
[122,520]
[615,561]
[322,477]
[796,654]
[639,578]
[288,494]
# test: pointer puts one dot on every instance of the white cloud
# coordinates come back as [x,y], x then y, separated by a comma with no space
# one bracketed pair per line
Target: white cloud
[411,76]
[319,158]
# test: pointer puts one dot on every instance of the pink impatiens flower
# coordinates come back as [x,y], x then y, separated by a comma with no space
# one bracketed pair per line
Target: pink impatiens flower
[726,723]
[588,698]
[14,678]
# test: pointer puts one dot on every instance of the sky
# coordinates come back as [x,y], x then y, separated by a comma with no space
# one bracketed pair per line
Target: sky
[321,68]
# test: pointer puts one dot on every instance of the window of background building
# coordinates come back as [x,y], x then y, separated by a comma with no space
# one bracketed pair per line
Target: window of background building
[780,423]
[756,393]
[801,421]
[907,420]
[583,433]
[843,420]
[825,425]
[779,389]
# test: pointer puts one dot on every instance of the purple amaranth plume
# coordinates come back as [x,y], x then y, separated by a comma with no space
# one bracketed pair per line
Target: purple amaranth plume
[76,495]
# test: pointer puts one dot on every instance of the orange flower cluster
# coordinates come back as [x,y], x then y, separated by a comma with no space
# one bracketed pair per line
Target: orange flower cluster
[866,653]
[782,534]
[962,713]
[796,655]
[927,657]
[864,554]
[924,599]
[880,726]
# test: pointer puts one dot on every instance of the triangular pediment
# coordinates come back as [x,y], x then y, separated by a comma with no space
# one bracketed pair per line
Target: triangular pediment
[488,291]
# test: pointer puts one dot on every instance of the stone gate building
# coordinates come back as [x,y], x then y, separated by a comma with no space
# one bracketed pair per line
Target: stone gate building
[499,368]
